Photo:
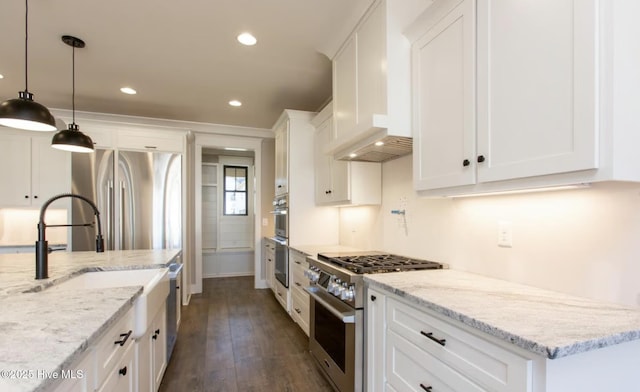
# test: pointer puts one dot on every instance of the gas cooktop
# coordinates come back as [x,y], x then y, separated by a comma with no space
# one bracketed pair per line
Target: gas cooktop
[376,262]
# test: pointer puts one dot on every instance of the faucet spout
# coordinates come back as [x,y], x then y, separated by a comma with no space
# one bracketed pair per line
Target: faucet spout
[42,247]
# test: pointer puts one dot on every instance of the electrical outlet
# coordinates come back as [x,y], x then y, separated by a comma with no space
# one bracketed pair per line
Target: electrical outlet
[265,222]
[505,234]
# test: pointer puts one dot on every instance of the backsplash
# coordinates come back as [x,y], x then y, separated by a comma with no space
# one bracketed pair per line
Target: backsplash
[20,227]
[583,242]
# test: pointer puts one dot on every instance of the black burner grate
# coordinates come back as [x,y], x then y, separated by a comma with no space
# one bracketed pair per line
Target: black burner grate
[371,264]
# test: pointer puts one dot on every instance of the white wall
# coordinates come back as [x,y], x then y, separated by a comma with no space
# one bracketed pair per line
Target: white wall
[584,242]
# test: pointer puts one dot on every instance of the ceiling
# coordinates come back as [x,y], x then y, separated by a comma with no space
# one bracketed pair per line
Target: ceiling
[181,57]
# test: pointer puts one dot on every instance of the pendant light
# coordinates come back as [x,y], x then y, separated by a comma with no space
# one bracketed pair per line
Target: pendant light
[72,139]
[24,112]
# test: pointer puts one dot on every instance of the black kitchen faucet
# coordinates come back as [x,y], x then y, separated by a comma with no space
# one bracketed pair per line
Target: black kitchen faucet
[42,248]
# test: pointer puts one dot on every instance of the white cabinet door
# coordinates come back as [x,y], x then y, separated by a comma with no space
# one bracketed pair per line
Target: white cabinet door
[322,164]
[34,171]
[159,347]
[15,157]
[444,101]
[344,87]
[537,87]
[371,65]
[375,340]
[282,159]
[51,170]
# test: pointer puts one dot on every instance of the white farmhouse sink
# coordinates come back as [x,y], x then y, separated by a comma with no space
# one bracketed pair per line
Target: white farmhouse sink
[155,283]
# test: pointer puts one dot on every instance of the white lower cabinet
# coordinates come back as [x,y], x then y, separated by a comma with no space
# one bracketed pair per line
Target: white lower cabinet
[411,348]
[299,297]
[80,377]
[122,377]
[282,295]
[151,353]
[107,366]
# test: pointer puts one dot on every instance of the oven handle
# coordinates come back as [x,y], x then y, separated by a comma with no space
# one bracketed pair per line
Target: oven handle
[346,317]
[279,212]
[279,241]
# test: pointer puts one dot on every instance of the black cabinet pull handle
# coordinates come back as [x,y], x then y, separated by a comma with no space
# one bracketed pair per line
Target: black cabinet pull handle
[298,311]
[373,298]
[151,147]
[298,284]
[154,337]
[158,331]
[428,389]
[480,158]
[177,287]
[124,337]
[123,371]
[466,162]
[430,336]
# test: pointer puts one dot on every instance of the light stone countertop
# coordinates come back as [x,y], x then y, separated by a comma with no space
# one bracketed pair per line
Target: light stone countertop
[547,323]
[42,331]
[313,250]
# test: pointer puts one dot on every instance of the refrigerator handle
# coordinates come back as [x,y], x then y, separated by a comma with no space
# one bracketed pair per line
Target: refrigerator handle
[110,215]
[122,196]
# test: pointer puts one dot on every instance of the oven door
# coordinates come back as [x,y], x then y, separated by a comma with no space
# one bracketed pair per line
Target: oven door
[281,222]
[282,261]
[335,339]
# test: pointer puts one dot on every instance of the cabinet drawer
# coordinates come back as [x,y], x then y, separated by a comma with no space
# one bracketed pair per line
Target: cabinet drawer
[157,141]
[113,345]
[300,309]
[298,280]
[121,378]
[411,369]
[298,259]
[282,295]
[495,368]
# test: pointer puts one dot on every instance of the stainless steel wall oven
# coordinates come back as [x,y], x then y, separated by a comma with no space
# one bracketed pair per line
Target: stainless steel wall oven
[281,217]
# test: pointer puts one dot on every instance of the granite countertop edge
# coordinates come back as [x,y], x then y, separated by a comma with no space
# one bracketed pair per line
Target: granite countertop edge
[547,351]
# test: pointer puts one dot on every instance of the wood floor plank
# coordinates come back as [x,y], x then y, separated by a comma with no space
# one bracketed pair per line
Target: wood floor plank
[236,338]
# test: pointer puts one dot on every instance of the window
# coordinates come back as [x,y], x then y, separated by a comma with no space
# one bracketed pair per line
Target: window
[235,190]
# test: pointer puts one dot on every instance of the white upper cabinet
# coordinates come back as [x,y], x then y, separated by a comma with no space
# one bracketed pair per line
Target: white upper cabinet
[371,77]
[34,171]
[443,66]
[514,95]
[282,158]
[342,183]
[537,87]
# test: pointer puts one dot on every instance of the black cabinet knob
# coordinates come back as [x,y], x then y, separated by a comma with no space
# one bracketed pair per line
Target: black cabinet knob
[373,298]
[123,371]
[466,162]
[480,158]
[26,196]
[35,197]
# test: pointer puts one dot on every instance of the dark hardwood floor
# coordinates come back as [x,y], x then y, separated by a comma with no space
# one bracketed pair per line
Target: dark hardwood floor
[235,338]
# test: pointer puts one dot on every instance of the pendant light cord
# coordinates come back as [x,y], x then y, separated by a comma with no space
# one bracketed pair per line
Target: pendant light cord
[26,47]
[73,82]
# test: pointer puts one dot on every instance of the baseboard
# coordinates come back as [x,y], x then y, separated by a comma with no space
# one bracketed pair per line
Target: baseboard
[227,275]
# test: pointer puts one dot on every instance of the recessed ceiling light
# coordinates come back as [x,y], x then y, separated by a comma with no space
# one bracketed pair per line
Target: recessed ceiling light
[353,155]
[380,143]
[235,102]
[128,90]
[247,39]
[1,76]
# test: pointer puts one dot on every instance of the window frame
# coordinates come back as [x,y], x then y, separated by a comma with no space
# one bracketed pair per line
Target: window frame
[225,191]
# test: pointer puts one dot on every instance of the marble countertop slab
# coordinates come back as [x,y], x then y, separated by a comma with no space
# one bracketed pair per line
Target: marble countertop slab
[544,322]
[44,331]
[313,250]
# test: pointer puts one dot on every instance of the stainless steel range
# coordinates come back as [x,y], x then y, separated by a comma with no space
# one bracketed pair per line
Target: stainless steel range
[336,336]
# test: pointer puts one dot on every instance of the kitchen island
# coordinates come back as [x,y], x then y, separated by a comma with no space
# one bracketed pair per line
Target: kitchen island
[44,331]
[540,339]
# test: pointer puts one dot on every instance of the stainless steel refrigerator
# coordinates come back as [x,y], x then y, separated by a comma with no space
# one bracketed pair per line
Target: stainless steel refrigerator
[138,194]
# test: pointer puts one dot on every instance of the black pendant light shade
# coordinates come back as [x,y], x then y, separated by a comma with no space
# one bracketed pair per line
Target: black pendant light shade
[24,112]
[72,139]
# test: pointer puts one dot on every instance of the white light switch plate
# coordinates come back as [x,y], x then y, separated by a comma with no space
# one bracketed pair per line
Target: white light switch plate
[505,234]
